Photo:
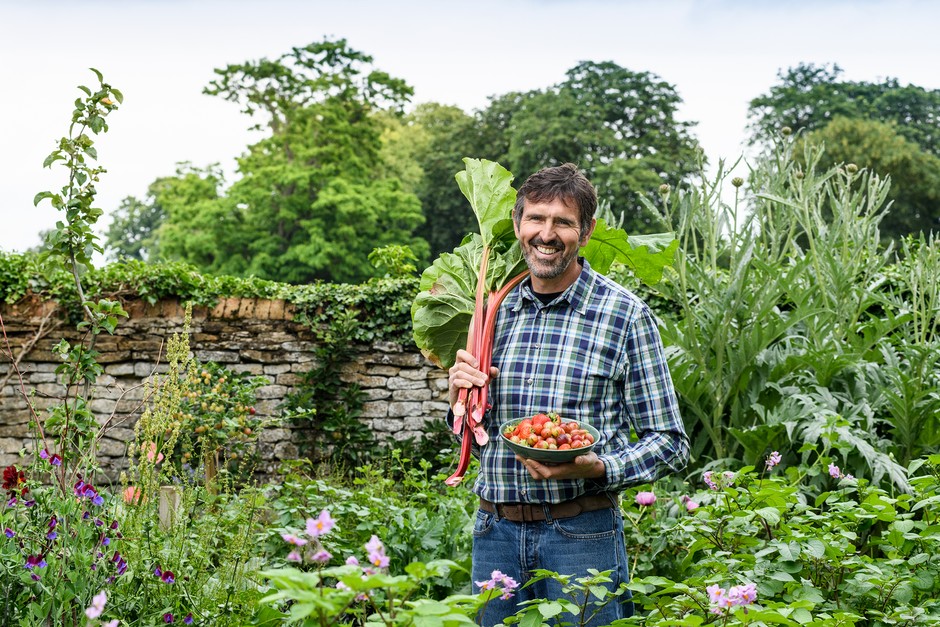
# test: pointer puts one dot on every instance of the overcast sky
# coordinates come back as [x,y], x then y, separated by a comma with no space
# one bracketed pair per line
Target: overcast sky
[160,53]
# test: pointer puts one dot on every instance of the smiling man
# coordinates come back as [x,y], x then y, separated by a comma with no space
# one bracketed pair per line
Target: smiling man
[571,341]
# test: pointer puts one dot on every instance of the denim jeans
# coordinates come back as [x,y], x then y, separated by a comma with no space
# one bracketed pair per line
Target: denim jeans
[567,546]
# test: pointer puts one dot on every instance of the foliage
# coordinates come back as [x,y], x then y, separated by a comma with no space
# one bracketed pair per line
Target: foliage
[617,125]
[809,96]
[309,202]
[442,311]
[881,148]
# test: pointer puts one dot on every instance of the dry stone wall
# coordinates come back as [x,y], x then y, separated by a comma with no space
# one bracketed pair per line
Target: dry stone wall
[403,390]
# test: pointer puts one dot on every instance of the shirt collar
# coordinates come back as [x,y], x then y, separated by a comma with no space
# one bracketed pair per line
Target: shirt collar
[576,295]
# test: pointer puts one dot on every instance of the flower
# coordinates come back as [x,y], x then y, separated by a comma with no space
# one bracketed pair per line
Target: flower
[294,556]
[168,577]
[707,477]
[35,561]
[56,460]
[44,454]
[167,618]
[153,453]
[773,459]
[189,619]
[498,580]
[376,552]
[13,478]
[9,532]
[132,495]
[110,623]
[97,605]
[322,556]
[743,595]
[320,525]
[292,539]
[736,595]
[352,561]
[645,499]
[690,505]
[834,471]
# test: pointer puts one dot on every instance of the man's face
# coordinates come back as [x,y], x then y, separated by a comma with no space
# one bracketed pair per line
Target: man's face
[550,236]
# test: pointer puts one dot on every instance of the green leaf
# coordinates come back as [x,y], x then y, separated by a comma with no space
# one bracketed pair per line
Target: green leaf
[770,514]
[98,74]
[40,196]
[117,95]
[550,609]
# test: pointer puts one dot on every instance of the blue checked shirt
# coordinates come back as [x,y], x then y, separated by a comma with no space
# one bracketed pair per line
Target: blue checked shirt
[593,354]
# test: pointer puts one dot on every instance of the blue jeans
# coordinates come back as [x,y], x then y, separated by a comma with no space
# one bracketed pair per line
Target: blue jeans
[567,546]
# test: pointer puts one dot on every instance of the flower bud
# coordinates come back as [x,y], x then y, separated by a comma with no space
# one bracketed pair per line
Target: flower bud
[799,175]
[664,189]
[851,168]
[737,181]
[786,131]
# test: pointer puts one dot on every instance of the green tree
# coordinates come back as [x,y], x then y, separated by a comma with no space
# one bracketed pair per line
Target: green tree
[880,147]
[809,96]
[619,126]
[134,232]
[318,105]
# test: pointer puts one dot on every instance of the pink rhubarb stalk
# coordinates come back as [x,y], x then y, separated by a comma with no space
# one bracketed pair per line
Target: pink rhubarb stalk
[471,404]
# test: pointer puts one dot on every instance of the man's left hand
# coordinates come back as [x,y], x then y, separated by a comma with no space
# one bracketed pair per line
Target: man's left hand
[587,466]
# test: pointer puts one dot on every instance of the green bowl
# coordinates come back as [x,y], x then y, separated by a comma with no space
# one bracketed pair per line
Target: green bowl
[543,454]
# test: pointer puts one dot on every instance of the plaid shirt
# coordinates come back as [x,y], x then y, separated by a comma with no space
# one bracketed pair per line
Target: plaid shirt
[593,354]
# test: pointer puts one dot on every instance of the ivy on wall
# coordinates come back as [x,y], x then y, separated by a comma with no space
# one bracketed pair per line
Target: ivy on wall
[381,307]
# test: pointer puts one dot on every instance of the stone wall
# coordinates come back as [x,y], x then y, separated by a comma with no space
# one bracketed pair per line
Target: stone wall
[403,390]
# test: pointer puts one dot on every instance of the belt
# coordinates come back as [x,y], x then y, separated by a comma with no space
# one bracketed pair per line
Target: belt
[534,512]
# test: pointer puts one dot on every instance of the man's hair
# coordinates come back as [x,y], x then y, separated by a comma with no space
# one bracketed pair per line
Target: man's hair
[564,182]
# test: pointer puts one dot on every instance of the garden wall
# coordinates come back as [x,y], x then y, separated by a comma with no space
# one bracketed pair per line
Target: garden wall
[403,390]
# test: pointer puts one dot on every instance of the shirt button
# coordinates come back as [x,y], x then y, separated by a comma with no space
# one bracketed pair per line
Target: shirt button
[529,381]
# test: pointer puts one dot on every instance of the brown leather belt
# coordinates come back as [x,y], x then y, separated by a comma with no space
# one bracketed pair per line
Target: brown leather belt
[534,512]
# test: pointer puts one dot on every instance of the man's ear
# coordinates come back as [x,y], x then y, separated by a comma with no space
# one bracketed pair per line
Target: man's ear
[584,238]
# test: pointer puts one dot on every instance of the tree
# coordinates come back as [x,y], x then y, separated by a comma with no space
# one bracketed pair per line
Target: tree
[134,232]
[619,126]
[322,155]
[809,96]
[880,147]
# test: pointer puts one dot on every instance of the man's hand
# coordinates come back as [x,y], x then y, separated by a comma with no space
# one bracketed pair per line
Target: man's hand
[588,466]
[464,374]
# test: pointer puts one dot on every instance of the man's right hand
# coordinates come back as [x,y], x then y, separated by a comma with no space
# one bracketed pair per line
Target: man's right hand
[464,374]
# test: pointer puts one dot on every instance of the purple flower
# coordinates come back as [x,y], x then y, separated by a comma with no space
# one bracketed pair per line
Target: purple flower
[189,619]
[743,595]
[52,535]
[56,460]
[645,499]
[320,525]
[498,580]
[352,561]
[294,556]
[376,552]
[834,471]
[168,576]
[44,454]
[707,477]
[167,618]
[321,557]
[292,539]
[35,561]
[773,459]
[9,532]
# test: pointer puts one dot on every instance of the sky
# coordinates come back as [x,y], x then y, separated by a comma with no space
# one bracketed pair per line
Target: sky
[718,54]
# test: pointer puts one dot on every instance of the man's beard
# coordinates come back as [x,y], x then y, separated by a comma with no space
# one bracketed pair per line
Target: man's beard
[543,269]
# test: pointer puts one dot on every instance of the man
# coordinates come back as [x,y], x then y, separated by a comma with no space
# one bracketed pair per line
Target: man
[571,341]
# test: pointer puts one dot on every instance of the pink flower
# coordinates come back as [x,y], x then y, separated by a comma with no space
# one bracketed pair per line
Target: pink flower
[498,580]
[376,552]
[645,499]
[294,556]
[352,561]
[773,459]
[153,454]
[690,505]
[97,605]
[292,539]
[834,471]
[110,623]
[707,477]
[320,525]
[743,595]
[322,556]
[132,495]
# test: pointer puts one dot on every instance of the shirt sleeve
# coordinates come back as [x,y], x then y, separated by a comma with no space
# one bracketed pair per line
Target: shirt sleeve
[651,409]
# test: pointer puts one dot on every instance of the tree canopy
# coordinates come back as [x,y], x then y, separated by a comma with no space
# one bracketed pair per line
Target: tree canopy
[810,96]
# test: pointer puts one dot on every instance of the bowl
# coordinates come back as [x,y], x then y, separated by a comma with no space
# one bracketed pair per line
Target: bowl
[553,456]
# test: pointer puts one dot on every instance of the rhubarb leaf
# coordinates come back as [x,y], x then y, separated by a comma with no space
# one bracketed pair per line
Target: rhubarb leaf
[645,255]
